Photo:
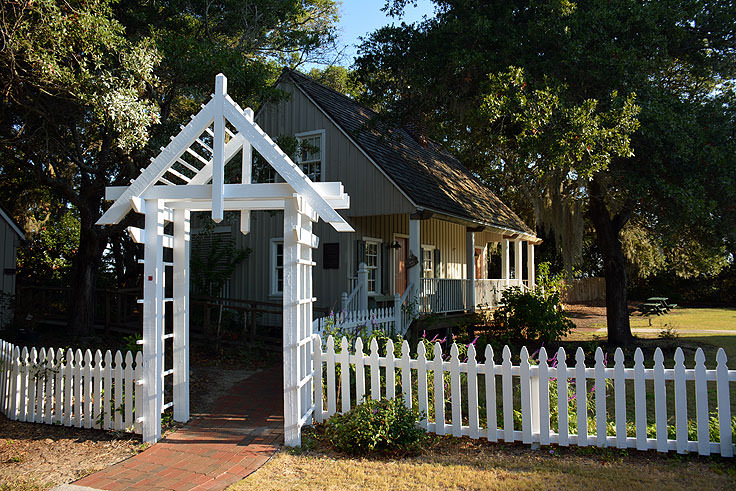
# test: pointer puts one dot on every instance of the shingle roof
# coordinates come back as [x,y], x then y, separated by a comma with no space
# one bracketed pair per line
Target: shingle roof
[430,176]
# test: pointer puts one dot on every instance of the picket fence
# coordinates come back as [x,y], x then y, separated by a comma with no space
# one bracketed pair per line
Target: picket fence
[70,389]
[383,319]
[531,382]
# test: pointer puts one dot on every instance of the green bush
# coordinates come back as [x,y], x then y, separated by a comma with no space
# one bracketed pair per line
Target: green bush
[535,316]
[385,426]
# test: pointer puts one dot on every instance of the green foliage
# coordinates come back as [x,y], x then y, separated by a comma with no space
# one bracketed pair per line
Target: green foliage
[383,426]
[339,79]
[47,253]
[529,316]
[547,283]
[554,130]
[610,111]
[131,343]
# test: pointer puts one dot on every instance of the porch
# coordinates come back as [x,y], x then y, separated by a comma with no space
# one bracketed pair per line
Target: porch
[431,264]
[445,295]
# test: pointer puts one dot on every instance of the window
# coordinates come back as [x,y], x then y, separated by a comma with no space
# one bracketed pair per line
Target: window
[311,154]
[372,261]
[427,262]
[277,266]
[261,171]
[331,255]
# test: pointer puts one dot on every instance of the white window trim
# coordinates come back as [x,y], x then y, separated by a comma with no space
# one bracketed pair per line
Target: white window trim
[274,279]
[379,258]
[307,134]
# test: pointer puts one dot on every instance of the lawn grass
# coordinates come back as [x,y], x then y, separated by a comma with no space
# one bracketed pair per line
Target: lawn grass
[454,463]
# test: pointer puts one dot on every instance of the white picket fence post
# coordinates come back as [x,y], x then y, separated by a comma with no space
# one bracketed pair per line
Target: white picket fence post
[533,384]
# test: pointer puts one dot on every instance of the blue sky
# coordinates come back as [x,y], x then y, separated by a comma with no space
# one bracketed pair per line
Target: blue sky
[361,17]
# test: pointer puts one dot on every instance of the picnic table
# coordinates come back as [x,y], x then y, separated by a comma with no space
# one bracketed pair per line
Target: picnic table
[656,305]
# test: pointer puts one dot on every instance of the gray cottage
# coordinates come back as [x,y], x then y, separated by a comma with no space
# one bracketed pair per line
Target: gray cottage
[427,230]
[10,235]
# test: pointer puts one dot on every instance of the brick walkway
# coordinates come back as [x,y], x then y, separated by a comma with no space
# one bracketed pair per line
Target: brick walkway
[213,450]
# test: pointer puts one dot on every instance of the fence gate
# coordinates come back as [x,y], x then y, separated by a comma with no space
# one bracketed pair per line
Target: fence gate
[188,175]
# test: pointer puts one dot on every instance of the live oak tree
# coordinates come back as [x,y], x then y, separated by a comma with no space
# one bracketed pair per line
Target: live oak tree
[73,113]
[92,88]
[620,112]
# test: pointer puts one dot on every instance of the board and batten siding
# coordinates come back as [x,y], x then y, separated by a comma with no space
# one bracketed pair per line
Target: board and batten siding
[252,279]
[448,237]
[8,256]
[377,209]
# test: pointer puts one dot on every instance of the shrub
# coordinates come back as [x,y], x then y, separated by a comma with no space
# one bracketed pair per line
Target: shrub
[385,426]
[530,316]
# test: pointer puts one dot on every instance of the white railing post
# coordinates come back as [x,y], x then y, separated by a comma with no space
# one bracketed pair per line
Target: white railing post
[344,301]
[398,324]
[363,282]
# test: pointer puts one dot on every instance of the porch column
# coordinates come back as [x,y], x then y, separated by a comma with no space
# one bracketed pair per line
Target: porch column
[505,262]
[517,262]
[415,249]
[530,264]
[470,259]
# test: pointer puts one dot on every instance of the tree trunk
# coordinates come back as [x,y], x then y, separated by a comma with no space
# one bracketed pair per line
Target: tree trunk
[607,229]
[85,268]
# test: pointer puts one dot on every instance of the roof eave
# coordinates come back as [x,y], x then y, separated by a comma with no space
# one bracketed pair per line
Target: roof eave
[524,235]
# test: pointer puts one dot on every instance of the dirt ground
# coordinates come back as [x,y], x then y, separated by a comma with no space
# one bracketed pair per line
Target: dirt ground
[592,315]
[39,456]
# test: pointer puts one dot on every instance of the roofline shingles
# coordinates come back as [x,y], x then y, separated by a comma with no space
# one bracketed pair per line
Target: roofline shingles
[432,177]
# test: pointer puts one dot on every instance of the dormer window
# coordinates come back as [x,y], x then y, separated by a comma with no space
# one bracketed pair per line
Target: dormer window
[311,154]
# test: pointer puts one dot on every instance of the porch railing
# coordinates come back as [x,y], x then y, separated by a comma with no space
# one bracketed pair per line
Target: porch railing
[442,295]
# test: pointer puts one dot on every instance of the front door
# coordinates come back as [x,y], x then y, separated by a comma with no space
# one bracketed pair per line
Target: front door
[478,263]
[400,257]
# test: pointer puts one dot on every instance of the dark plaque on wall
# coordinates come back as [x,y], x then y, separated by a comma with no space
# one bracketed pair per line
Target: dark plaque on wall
[331,255]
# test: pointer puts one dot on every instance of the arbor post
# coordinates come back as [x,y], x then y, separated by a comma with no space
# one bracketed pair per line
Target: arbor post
[153,318]
[181,314]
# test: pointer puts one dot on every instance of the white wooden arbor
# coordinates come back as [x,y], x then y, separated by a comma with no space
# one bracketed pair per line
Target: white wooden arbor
[189,175]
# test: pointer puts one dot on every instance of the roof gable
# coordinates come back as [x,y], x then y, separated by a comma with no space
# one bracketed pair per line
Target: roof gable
[430,177]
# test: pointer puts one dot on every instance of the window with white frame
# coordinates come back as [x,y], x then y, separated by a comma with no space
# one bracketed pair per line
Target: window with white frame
[277,266]
[311,154]
[427,261]
[372,262]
